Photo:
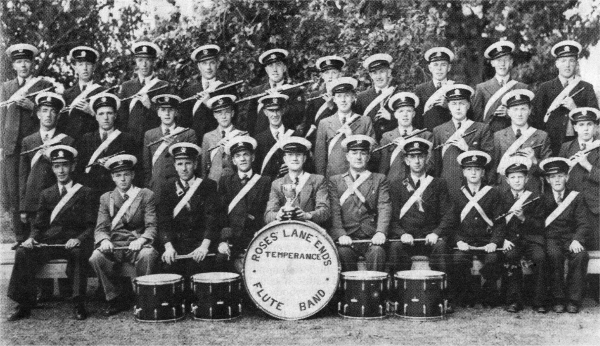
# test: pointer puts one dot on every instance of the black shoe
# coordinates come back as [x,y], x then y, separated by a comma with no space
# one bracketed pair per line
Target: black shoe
[514,307]
[558,308]
[20,313]
[114,306]
[80,312]
[572,308]
[540,309]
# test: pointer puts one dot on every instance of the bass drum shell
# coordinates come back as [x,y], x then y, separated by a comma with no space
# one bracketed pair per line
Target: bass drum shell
[420,295]
[217,296]
[159,298]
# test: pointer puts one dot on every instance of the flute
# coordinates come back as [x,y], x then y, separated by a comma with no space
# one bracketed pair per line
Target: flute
[463,136]
[149,91]
[71,107]
[585,152]
[519,152]
[365,241]
[281,88]
[168,136]
[478,248]
[39,148]
[237,134]
[226,86]
[393,143]
[512,211]
[9,102]
[97,162]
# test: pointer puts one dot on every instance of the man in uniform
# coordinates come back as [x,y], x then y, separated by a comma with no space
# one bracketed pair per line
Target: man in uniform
[433,109]
[567,230]
[311,202]
[360,207]
[329,154]
[66,215]
[557,97]
[487,107]
[125,230]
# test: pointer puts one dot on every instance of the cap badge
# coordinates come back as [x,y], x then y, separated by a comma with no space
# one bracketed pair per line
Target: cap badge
[144,49]
[272,56]
[474,158]
[438,53]
[183,150]
[220,102]
[584,112]
[457,92]
[328,62]
[205,52]
[48,98]
[518,97]
[104,99]
[416,145]
[83,54]
[275,101]
[20,51]
[567,49]
[121,162]
[61,153]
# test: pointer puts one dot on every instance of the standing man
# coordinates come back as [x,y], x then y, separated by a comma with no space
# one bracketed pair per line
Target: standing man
[126,218]
[66,215]
[487,107]
[360,207]
[329,153]
[557,97]
[137,116]
[78,118]
[433,109]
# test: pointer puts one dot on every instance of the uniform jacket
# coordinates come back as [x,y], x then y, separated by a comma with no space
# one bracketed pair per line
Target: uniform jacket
[532,229]
[588,183]
[473,230]
[398,169]
[221,164]
[265,141]
[381,126]
[484,92]
[312,107]
[571,224]
[433,117]
[76,123]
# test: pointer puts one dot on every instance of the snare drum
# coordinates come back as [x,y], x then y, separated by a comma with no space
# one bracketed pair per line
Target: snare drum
[363,294]
[217,296]
[420,294]
[159,298]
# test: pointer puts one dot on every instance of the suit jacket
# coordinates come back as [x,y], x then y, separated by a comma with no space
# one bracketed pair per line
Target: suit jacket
[503,139]
[335,163]
[192,225]
[435,116]
[248,215]
[313,199]
[571,224]
[16,122]
[76,123]
[557,122]
[530,230]
[588,183]
[76,218]
[139,221]
[140,119]
[483,93]
[355,217]
[163,169]
[473,230]
[265,141]
[312,107]
[437,215]
[221,164]
[397,170]
[380,126]
[32,180]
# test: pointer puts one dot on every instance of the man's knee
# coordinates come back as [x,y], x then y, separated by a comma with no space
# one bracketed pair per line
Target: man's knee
[397,249]
[512,255]
[148,254]
[376,251]
[96,258]
[580,257]
[21,253]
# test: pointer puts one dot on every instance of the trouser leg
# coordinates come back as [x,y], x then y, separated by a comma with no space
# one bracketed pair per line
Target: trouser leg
[348,257]
[556,260]
[375,258]
[514,276]
[22,285]
[439,252]
[576,276]
[145,261]
[104,266]
[537,254]
[459,277]
[398,257]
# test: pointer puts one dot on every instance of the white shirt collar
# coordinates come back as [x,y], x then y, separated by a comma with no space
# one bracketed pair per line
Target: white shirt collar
[227,130]
[190,182]
[207,82]
[558,194]
[146,79]
[280,130]
[504,79]
[477,188]
[408,130]
[293,177]
[523,129]
[50,133]
[248,174]
[276,85]
[171,128]
[563,80]
[415,178]
[444,81]
[68,185]
[128,192]
[21,80]
[345,117]
[517,193]
[87,84]
[108,132]
[462,122]
[587,143]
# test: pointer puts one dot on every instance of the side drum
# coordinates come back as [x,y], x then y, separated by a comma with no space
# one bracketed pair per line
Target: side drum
[363,294]
[159,298]
[217,296]
[420,294]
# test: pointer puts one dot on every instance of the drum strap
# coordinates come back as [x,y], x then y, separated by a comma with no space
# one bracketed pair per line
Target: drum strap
[514,147]
[353,189]
[274,149]
[416,197]
[19,94]
[133,192]
[243,192]
[497,95]
[36,157]
[458,135]
[474,203]
[518,204]
[64,200]
[101,148]
[561,207]
[186,198]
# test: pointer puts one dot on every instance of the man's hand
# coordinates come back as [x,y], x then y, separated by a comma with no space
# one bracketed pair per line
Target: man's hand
[302,215]
[283,170]
[508,245]
[346,130]
[203,96]
[582,159]
[345,240]
[462,246]
[25,103]
[399,142]
[23,217]
[460,143]
[169,255]
[500,111]
[106,246]
[441,102]
[569,103]
[407,239]
[71,243]
[144,99]
[137,244]
[29,243]
[491,247]
[224,248]
[169,140]
[575,247]
[200,253]
[519,214]
[431,239]
[383,113]
[329,100]
[84,106]
[378,239]
[529,153]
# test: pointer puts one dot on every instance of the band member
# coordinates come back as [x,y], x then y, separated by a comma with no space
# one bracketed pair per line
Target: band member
[215,162]
[360,207]
[422,215]
[371,102]
[274,61]
[585,162]
[487,107]
[35,170]
[477,207]
[188,214]
[96,146]
[433,110]
[158,163]
[17,121]
[567,230]
[78,118]
[136,116]
[245,194]
[524,235]
[329,153]
[520,139]
[310,201]
[125,230]
[557,97]
[66,215]
[457,136]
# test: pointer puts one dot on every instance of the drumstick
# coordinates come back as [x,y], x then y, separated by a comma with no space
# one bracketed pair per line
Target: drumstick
[364,241]
[478,248]
[127,247]
[190,255]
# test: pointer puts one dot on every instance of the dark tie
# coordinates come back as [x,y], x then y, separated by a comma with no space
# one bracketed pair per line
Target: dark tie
[516,196]
[222,134]
[559,199]
[186,185]
[21,83]
[63,191]
[405,133]
[167,132]
[46,138]
[582,146]
[566,84]
[418,183]
[104,136]
[458,125]
[438,85]
[125,197]
[83,87]
[297,181]
[501,83]
[518,133]
[143,82]
[357,176]
[245,180]
[379,92]
[277,135]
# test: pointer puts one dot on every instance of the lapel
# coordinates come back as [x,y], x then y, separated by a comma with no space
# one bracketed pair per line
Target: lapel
[250,197]
[13,86]
[509,136]
[431,89]
[305,194]
[491,86]
[76,197]
[334,124]
[367,187]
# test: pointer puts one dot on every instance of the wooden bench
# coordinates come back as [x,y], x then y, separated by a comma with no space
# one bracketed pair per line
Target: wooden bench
[594,263]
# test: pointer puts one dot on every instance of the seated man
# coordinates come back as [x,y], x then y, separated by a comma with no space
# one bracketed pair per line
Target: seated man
[311,202]
[360,207]
[422,215]
[66,215]
[126,221]
[524,234]
[567,229]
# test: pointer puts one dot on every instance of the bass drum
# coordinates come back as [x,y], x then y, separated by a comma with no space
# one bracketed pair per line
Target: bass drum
[291,269]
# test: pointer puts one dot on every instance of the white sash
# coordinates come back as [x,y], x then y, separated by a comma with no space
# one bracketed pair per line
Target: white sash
[518,204]
[559,99]
[322,109]
[561,207]
[211,88]
[379,99]
[514,147]
[595,144]
[497,95]
[186,198]
[399,148]
[274,149]
[458,135]
[243,192]
[22,92]
[229,135]
[416,197]
[310,131]
[301,182]
[66,198]
[83,95]
[38,154]
[101,148]
[163,145]
[439,93]
[143,90]
[134,192]
[339,135]
[354,188]
[474,203]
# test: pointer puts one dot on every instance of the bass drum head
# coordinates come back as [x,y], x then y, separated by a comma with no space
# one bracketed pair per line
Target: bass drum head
[156,279]
[419,274]
[215,277]
[291,269]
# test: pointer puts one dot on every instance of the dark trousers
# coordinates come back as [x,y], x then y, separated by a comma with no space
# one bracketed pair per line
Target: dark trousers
[374,256]
[572,289]
[232,264]
[400,254]
[514,279]
[22,286]
[9,183]
[459,278]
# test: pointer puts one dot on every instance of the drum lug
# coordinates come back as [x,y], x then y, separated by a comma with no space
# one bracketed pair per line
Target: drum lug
[424,285]
[192,286]
[363,285]
[396,307]
[210,288]
[174,286]
[240,307]
[405,308]
[405,285]
[174,312]
[345,308]
[136,311]
[339,306]
[229,309]
[194,308]
[424,310]
[442,309]
[381,309]
[154,287]
[229,287]
[210,312]
[362,310]
[155,314]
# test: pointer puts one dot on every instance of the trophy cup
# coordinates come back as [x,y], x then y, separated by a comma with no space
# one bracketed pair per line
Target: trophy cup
[289,192]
